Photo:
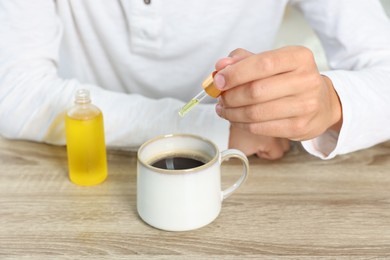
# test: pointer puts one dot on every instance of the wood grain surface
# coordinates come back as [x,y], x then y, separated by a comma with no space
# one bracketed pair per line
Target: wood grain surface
[299,207]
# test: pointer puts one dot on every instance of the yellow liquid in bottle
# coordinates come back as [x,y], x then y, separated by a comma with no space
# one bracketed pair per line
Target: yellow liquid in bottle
[86,150]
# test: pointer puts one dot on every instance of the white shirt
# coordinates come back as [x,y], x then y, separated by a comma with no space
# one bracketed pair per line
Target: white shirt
[143,62]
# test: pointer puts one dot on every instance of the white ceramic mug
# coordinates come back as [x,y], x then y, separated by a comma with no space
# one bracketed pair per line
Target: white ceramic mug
[184,199]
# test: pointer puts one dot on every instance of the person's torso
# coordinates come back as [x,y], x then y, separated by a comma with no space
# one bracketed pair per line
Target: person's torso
[158,49]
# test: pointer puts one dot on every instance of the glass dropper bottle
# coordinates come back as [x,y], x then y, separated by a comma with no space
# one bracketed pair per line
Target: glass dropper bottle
[209,89]
[85,143]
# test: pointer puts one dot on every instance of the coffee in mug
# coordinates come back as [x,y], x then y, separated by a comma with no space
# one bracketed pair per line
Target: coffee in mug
[179,181]
[179,161]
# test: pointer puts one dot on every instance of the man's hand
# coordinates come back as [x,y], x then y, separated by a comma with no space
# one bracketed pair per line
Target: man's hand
[265,147]
[278,93]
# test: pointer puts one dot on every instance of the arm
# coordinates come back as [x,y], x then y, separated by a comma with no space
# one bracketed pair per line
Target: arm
[33,98]
[356,40]
[281,93]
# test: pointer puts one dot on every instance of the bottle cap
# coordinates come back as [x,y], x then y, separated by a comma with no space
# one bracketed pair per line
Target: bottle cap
[209,87]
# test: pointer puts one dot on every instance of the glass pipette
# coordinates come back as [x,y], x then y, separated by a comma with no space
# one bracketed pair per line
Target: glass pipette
[193,102]
[209,89]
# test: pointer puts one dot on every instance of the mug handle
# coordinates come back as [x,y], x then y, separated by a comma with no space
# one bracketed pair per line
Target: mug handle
[234,153]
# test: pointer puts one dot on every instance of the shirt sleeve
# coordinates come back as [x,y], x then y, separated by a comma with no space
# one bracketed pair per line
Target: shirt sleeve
[34,99]
[356,38]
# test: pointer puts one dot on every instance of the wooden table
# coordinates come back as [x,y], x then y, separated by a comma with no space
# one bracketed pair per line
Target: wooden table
[297,207]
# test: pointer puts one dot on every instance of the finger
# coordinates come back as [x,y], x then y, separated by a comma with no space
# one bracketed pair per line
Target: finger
[240,53]
[224,62]
[264,90]
[295,129]
[285,144]
[284,108]
[272,154]
[271,148]
[263,65]
[233,57]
